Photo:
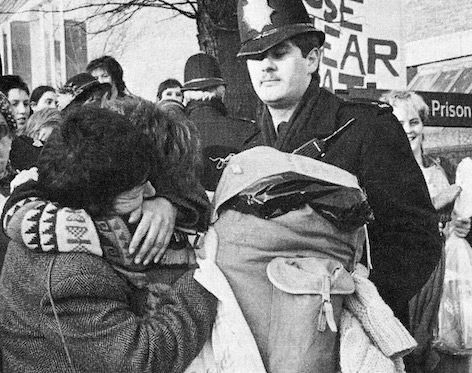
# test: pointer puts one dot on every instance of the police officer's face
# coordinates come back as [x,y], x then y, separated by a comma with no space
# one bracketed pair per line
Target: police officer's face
[281,75]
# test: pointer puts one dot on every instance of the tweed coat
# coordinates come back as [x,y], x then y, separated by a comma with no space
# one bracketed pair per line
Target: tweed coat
[103,328]
[404,236]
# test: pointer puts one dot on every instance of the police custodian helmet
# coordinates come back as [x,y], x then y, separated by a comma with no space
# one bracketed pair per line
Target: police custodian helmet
[201,72]
[265,23]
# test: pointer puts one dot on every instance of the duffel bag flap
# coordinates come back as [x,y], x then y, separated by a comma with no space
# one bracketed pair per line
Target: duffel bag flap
[312,276]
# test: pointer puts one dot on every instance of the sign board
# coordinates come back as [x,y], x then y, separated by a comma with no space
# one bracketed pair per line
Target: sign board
[364,45]
[446,109]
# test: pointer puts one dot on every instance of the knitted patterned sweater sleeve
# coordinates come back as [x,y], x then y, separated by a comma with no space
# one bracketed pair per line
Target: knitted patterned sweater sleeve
[21,195]
[44,224]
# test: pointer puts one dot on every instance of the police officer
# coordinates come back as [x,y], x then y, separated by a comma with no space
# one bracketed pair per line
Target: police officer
[282,49]
[221,135]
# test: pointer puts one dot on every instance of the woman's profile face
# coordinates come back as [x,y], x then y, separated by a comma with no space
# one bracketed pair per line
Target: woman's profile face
[412,124]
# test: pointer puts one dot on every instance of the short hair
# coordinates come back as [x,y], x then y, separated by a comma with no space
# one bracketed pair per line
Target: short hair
[7,111]
[9,82]
[205,94]
[112,67]
[306,42]
[176,139]
[48,117]
[93,157]
[168,83]
[38,92]
[395,98]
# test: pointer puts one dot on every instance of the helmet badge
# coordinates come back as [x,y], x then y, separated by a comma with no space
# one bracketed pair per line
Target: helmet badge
[257,14]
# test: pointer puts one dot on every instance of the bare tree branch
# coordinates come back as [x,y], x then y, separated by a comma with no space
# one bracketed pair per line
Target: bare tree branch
[118,7]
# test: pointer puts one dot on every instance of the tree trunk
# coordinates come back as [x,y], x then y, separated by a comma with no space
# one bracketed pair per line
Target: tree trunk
[218,35]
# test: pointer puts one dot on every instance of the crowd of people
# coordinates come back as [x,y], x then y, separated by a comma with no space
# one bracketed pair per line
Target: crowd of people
[106,197]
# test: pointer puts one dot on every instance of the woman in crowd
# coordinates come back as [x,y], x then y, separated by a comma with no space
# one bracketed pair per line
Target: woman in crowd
[170,89]
[107,70]
[412,112]
[7,173]
[7,132]
[74,306]
[17,92]
[30,138]
[43,97]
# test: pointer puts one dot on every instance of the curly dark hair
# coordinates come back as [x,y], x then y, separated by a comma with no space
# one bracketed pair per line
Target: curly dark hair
[7,111]
[176,139]
[94,156]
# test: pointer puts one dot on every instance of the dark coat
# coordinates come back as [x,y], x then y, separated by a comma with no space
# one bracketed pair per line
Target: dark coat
[96,307]
[24,154]
[404,236]
[220,134]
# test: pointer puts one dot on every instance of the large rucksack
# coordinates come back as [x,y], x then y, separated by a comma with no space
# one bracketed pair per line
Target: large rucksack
[290,230]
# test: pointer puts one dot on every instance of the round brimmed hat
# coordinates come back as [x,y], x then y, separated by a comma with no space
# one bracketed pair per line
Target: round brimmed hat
[79,84]
[201,72]
[265,23]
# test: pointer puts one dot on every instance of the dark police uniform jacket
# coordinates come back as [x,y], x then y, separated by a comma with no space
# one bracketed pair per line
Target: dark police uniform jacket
[221,135]
[404,237]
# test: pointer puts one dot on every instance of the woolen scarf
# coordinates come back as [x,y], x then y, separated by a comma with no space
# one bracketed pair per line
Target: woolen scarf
[312,106]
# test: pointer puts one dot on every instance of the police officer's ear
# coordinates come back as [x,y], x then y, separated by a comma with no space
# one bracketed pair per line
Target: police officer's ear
[313,58]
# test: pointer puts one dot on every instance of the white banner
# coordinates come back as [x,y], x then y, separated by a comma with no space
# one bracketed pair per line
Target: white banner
[364,44]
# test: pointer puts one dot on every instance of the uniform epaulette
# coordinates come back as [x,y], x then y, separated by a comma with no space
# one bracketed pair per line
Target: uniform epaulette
[244,119]
[381,106]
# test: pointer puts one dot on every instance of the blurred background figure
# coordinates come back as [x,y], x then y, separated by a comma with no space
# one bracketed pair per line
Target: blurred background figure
[43,97]
[7,173]
[413,113]
[30,138]
[222,135]
[7,132]
[170,89]
[107,70]
[170,98]
[81,89]
[17,92]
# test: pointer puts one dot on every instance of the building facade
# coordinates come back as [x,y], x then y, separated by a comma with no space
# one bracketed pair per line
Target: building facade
[439,59]
[48,41]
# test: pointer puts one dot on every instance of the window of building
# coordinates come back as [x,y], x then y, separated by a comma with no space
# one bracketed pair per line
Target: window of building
[445,76]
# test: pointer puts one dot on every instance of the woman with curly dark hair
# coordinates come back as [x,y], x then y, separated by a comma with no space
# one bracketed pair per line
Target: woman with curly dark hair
[8,129]
[7,172]
[79,303]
